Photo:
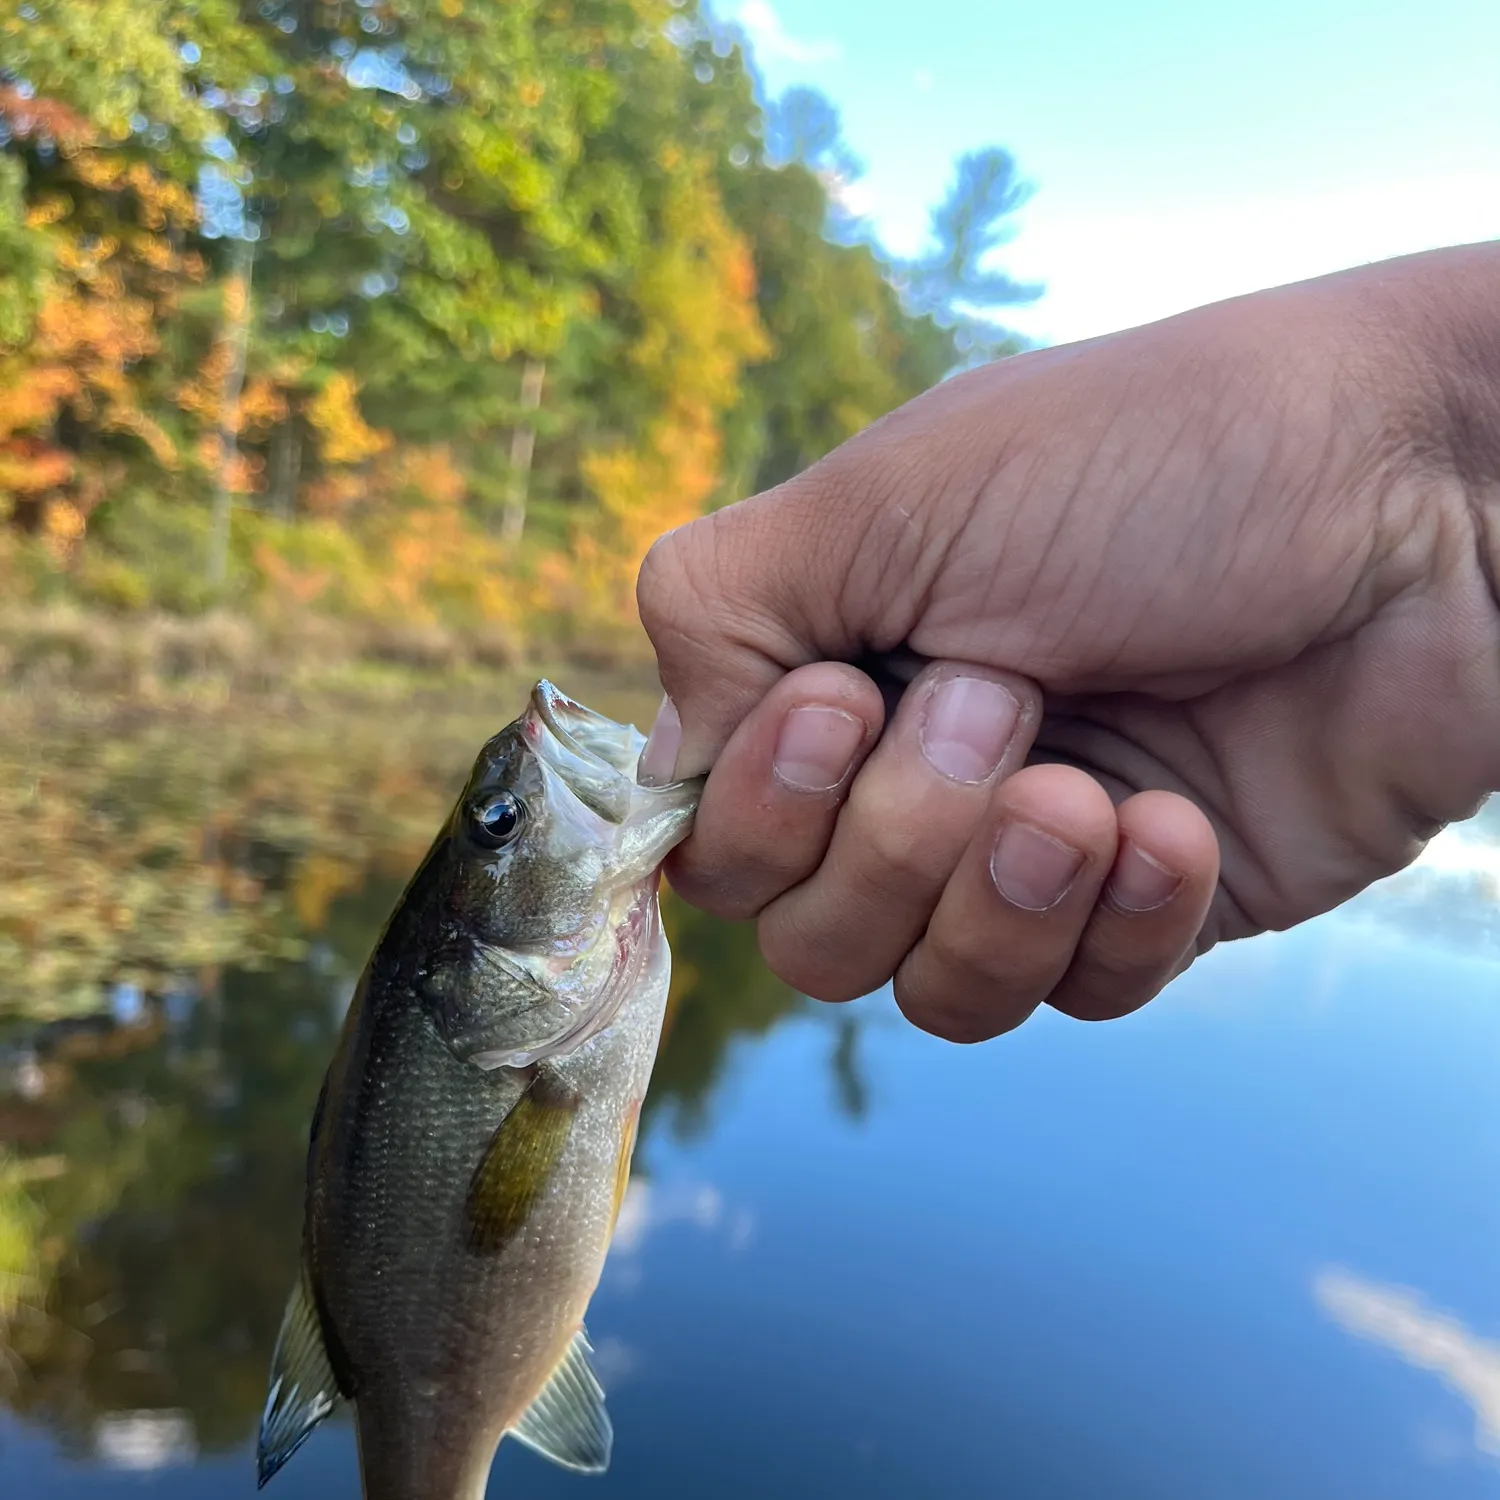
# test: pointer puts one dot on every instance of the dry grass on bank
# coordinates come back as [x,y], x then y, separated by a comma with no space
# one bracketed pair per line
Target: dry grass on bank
[154,657]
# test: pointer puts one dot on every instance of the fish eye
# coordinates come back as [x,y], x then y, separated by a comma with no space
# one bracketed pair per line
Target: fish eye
[495,819]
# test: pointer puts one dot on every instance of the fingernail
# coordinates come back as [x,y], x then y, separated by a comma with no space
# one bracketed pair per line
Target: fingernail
[968,724]
[816,748]
[1141,883]
[659,759]
[1031,869]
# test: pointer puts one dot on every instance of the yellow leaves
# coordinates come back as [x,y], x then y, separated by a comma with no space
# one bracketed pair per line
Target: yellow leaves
[202,394]
[62,530]
[696,297]
[123,416]
[531,94]
[451,8]
[319,881]
[236,300]
[296,583]
[331,494]
[33,400]
[154,252]
[262,404]
[48,209]
[99,170]
[31,468]
[344,437]
[95,333]
[393,542]
[432,474]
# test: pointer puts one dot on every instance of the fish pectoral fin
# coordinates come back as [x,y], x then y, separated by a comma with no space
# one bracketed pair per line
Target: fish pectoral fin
[519,1162]
[567,1423]
[303,1388]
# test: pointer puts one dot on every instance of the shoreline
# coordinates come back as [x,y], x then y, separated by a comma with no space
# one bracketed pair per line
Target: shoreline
[61,662]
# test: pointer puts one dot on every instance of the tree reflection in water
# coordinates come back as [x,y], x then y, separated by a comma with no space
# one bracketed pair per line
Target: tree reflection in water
[153,1119]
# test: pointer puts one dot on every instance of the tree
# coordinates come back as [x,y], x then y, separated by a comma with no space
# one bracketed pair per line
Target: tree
[954,283]
[429,309]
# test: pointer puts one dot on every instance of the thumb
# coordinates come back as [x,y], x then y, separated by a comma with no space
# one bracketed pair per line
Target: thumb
[732,602]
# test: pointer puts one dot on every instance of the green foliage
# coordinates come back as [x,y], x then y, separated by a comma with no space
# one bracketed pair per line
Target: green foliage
[24,260]
[420,288]
[845,350]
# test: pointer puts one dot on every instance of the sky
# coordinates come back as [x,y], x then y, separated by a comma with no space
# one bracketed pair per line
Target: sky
[1180,152]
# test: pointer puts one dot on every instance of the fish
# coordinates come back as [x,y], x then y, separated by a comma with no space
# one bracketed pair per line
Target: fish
[472,1142]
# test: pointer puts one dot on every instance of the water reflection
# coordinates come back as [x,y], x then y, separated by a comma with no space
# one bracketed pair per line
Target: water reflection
[1399,1320]
[157,1079]
[823,1196]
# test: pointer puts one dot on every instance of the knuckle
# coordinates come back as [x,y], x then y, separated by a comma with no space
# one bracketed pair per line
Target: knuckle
[730,879]
[1107,983]
[976,1015]
[960,951]
[898,853]
[1085,1002]
[974,957]
[809,965]
[712,893]
[665,589]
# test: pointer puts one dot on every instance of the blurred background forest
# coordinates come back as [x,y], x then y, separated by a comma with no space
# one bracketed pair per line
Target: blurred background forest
[411,323]
[352,354]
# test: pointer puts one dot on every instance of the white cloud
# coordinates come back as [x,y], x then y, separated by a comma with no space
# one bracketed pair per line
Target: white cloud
[144,1441]
[1458,851]
[853,196]
[615,1361]
[770,40]
[1428,1340]
[647,1207]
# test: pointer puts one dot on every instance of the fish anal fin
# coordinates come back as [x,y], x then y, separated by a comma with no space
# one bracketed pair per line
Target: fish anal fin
[567,1423]
[303,1388]
[519,1163]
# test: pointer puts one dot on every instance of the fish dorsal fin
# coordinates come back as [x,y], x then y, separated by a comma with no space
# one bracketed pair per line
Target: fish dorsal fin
[567,1423]
[519,1162]
[303,1389]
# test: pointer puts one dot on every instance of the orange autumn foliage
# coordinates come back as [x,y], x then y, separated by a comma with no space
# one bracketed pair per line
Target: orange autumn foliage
[100,312]
[700,327]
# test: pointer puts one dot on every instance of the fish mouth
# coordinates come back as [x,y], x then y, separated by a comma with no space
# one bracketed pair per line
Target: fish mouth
[597,759]
[589,735]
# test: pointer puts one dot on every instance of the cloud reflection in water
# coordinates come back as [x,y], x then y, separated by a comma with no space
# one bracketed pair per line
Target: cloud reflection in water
[1426,1339]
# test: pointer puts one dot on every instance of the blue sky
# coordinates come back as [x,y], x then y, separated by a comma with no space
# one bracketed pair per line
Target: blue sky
[1180,152]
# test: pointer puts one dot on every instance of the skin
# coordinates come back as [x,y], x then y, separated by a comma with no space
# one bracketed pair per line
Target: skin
[441,1341]
[1236,572]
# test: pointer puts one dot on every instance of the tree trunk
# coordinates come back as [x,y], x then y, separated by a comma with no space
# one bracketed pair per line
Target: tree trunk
[522,445]
[286,469]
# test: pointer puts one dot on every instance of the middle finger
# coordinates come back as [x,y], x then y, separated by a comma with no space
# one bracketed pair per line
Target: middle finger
[910,814]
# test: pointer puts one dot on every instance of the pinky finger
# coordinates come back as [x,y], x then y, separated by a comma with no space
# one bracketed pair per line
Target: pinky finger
[1151,910]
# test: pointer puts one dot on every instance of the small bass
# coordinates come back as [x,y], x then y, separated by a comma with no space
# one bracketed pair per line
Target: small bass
[472,1141]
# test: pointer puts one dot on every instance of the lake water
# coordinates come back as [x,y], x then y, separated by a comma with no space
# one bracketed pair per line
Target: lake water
[1242,1245]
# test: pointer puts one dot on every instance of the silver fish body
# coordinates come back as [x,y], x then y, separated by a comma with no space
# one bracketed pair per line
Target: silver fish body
[473,1138]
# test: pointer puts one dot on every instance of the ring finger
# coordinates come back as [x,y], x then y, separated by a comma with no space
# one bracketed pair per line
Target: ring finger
[910,813]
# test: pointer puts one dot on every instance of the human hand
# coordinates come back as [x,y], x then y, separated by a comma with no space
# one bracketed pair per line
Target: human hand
[1212,638]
